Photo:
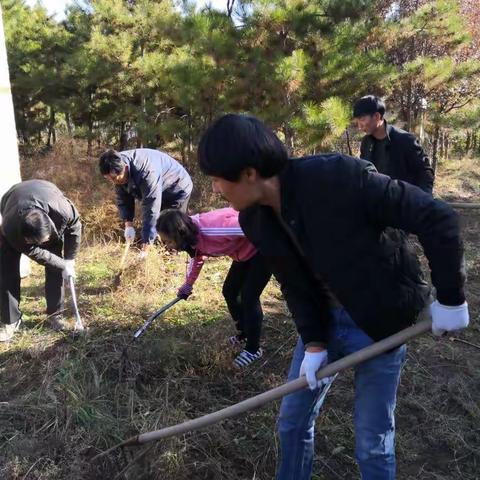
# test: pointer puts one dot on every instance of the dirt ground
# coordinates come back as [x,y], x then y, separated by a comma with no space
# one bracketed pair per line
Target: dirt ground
[65,399]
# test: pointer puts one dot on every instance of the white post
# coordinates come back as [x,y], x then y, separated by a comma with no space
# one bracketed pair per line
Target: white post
[9,160]
[423,114]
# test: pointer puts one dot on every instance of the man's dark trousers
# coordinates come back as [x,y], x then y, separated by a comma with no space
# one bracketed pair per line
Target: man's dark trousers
[10,282]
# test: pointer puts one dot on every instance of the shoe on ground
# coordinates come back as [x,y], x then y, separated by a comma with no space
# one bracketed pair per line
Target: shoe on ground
[58,323]
[245,358]
[7,330]
[236,340]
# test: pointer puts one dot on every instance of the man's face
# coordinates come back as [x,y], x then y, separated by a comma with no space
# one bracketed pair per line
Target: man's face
[31,241]
[242,193]
[369,123]
[118,178]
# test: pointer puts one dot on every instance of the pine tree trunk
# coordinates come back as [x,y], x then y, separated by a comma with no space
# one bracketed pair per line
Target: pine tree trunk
[190,135]
[24,130]
[436,135]
[408,110]
[90,134]
[441,148]
[230,4]
[90,122]
[289,139]
[51,138]
[122,138]
[68,121]
[468,142]
[184,151]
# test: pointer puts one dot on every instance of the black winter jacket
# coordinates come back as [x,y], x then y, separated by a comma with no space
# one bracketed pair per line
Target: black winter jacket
[339,208]
[406,159]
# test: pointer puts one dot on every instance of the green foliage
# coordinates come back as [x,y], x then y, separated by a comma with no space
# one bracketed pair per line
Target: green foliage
[321,124]
[147,74]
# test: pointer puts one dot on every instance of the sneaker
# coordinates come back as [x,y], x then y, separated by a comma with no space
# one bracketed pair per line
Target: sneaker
[236,340]
[7,330]
[58,323]
[245,358]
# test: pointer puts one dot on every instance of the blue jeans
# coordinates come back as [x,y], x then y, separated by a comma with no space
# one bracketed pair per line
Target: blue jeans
[376,383]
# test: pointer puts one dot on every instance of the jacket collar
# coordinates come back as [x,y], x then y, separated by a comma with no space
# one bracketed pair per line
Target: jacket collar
[287,184]
[388,131]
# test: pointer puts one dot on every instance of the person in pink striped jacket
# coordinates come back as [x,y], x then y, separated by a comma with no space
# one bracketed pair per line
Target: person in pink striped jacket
[216,234]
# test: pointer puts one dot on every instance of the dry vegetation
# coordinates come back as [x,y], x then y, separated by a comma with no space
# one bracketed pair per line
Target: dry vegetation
[63,399]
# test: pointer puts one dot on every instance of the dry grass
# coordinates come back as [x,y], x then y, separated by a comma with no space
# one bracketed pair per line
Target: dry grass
[459,179]
[62,399]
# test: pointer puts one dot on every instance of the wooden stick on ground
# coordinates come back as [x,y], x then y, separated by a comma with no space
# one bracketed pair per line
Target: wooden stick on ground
[116,281]
[278,392]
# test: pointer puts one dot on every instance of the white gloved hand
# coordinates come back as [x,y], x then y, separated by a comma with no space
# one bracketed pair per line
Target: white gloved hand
[447,319]
[129,234]
[69,270]
[142,255]
[312,361]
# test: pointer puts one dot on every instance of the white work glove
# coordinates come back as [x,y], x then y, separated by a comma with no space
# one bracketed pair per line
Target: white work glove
[447,319]
[69,270]
[129,234]
[142,255]
[312,361]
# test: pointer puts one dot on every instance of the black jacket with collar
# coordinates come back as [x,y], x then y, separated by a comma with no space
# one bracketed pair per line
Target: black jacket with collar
[339,208]
[64,216]
[407,160]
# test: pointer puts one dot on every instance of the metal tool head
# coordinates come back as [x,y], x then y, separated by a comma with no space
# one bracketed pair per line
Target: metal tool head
[118,276]
[153,316]
[79,326]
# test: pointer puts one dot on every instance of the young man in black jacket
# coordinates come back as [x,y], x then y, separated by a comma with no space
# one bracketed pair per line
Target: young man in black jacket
[321,223]
[393,151]
[40,222]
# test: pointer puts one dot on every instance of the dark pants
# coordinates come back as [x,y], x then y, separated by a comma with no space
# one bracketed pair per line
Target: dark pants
[242,289]
[176,199]
[10,283]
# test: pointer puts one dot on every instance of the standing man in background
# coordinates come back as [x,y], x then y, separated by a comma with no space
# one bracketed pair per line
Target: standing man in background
[393,151]
[148,175]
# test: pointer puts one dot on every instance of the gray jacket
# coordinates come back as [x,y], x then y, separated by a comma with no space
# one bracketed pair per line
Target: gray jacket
[151,174]
[61,211]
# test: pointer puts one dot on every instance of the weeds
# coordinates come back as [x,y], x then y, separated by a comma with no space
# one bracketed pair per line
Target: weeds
[61,401]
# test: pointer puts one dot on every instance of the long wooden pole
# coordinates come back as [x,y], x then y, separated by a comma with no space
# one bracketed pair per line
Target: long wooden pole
[116,280]
[464,205]
[276,393]
[124,255]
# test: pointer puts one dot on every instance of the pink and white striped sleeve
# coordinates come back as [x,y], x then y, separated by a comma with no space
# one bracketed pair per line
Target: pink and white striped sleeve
[194,268]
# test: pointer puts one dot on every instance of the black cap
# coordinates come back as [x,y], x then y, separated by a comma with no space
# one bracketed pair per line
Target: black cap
[368,105]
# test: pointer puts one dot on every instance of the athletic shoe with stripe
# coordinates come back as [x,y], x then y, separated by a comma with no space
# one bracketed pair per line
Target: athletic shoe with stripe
[245,358]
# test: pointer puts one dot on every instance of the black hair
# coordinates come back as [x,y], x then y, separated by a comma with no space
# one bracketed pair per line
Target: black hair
[235,142]
[111,161]
[35,226]
[180,228]
[369,105]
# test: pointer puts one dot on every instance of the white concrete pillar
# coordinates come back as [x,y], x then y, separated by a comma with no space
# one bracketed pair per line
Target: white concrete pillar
[9,160]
